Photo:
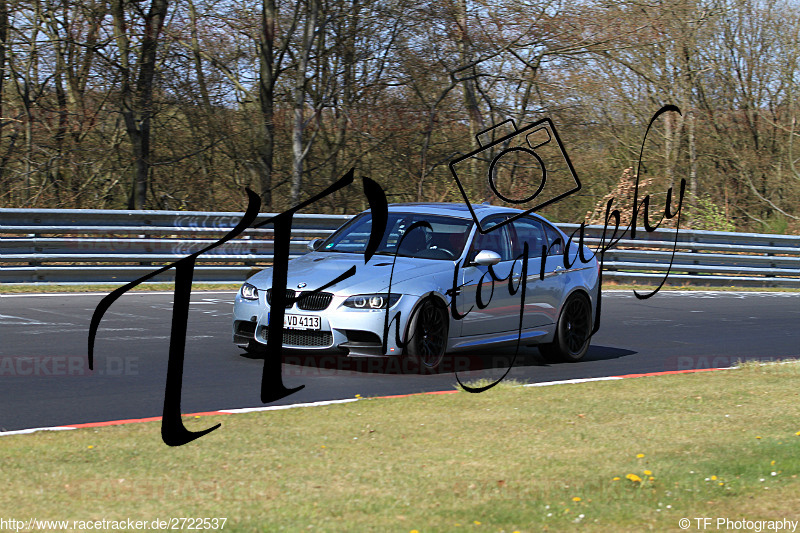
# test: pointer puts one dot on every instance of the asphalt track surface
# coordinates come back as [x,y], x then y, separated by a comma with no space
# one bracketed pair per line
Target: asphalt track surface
[45,379]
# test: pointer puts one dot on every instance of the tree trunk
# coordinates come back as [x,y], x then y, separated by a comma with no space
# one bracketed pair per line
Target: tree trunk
[266,92]
[137,101]
[298,150]
[476,123]
[3,40]
[692,124]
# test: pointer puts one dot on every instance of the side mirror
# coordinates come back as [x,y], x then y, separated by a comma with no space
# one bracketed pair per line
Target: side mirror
[487,258]
[315,244]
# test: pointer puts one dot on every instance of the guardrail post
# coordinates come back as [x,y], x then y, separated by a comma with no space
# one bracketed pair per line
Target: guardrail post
[693,250]
[773,264]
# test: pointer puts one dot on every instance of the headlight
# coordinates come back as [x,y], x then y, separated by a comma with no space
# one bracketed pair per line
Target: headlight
[372,301]
[249,292]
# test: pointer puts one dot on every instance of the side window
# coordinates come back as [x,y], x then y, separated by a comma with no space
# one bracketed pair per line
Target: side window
[352,237]
[553,236]
[528,230]
[495,241]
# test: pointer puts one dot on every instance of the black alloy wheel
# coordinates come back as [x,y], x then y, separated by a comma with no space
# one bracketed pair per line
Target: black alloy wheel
[573,331]
[428,335]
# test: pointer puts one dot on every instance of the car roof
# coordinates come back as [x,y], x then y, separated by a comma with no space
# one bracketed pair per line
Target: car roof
[458,210]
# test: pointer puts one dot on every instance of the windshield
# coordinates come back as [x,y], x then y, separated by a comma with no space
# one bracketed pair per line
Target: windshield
[445,239]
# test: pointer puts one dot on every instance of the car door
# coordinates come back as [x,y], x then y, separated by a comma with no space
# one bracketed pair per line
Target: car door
[542,296]
[491,304]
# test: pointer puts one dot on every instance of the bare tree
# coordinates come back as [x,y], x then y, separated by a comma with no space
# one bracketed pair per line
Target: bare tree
[3,41]
[271,53]
[312,30]
[137,69]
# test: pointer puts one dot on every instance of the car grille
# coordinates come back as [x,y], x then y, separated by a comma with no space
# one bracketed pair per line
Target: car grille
[313,302]
[289,297]
[306,339]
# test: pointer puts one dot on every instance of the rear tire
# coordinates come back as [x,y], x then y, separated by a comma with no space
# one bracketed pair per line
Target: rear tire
[573,331]
[428,331]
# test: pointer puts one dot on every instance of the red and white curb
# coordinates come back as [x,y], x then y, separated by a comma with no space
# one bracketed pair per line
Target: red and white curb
[333,402]
[614,378]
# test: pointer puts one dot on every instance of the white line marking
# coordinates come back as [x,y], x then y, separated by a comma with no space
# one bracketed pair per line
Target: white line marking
[33,430]
[571,381]
[291,406]
[11,319]
[154,337]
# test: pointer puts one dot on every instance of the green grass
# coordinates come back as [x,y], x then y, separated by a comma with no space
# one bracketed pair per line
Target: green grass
[718,444]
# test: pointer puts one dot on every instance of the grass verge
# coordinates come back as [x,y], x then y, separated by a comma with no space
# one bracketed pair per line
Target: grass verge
[626,455]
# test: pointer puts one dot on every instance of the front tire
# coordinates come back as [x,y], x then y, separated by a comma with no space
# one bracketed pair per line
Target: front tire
[573,331]
[428,331]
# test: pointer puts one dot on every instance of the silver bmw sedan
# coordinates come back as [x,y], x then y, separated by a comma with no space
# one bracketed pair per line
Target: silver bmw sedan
[435,285]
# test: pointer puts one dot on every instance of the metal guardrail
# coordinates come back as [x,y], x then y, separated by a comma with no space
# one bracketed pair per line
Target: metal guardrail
[93,246]
[713,258]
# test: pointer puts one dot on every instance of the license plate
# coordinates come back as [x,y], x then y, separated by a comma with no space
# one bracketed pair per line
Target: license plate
[305,322]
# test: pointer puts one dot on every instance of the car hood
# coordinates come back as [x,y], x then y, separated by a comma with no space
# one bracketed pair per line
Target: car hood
[318,268]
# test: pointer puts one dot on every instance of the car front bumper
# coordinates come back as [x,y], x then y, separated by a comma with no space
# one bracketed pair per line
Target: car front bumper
[355,332]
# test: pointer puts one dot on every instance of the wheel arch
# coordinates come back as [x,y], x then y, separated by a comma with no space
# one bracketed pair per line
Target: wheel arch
[422,298]
[582,292]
